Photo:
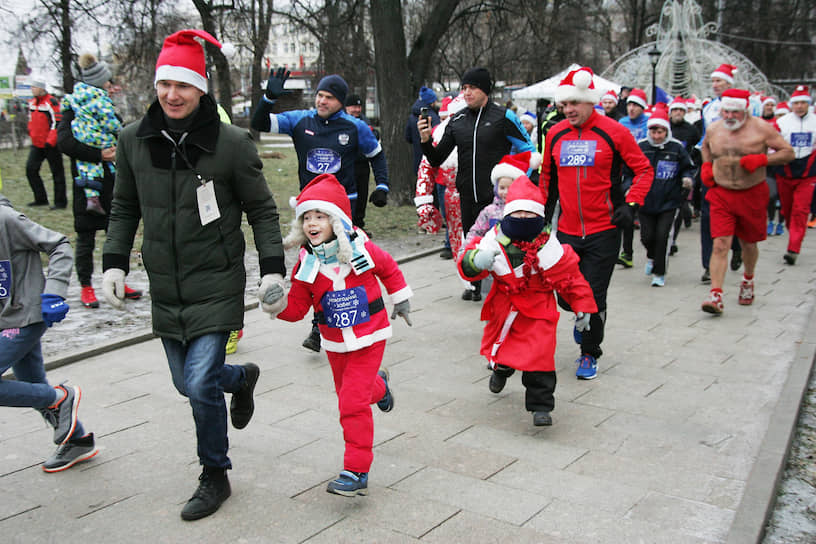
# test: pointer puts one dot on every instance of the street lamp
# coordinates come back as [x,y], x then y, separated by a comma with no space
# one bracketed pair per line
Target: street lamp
[654,57]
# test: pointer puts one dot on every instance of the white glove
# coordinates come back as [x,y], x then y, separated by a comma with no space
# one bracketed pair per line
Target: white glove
[113,287]
[688,183]
[483,258]
[272,294]
[402,309]
[582,321]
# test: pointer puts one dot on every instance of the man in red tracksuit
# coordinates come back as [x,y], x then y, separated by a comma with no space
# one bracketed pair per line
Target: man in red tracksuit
[581,170]
[43,117]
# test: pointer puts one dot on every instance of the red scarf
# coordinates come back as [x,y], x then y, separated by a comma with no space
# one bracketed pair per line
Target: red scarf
[530,263]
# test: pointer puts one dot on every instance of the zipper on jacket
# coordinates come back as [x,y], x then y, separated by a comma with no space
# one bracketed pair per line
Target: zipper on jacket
[173,237]
[578,194]
[473,156]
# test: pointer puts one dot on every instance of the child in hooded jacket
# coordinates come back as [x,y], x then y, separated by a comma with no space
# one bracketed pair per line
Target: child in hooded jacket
[337,275]
[528,266]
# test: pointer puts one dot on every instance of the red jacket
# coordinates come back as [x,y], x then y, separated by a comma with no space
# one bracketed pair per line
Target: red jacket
[304,295]
[43,116]
[589,194]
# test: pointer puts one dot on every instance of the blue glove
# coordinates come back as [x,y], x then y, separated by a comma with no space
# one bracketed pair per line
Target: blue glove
[53,308]
[274,85]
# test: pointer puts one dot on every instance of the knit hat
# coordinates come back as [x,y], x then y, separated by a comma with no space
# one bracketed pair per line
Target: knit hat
[335,85]
[610,95]
[182,58]
[800,94]
[678,103]
[725,72]
[354,100]
[578,86]
[478,77]
[638,96]
[324,193]
[782,108]
[37,81]
[659,118]
[524,196]
[735,99]
[514,166]
[427,96]
[92,71]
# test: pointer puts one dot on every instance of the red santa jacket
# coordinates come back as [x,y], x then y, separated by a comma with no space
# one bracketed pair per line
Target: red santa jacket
[581,168]
[43,116]
[308,292]
[522,320]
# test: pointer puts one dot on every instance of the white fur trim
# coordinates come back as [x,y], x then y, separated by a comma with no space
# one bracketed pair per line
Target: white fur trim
[637,100]
[505,170]
[535,159]
[731,103]
[524,205]
[324,205]
[723,76]
[568,93]
[424,199]
[800,98]
[550,254]
[180,73]
[658,122]
[403,294]
[353,343]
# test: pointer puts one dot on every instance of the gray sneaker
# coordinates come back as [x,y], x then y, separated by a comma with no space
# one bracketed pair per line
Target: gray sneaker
[63,416]
[72,452]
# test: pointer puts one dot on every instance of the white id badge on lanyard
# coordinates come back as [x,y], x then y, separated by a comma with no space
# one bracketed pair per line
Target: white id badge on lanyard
[207,205]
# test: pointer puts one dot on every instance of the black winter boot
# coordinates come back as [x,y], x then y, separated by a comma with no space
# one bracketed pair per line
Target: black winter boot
[213,489]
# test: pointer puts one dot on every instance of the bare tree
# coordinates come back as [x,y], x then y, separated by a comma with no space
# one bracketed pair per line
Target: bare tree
[253,20]
[210,22]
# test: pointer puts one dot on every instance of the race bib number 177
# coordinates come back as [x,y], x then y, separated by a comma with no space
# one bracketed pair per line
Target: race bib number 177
[5,279]
[577,153]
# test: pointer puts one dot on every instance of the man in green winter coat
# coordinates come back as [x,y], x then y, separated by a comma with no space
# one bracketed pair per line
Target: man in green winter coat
[189,178]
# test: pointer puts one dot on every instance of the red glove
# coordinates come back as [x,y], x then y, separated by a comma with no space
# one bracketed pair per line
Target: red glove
[707,174]
[752,162]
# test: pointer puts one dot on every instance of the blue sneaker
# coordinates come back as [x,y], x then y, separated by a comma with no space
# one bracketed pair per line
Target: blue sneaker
[658,281]
[780,229]
[386,404]
[577,336]
[649,267]
[770,228]
[349,484]
[587,367]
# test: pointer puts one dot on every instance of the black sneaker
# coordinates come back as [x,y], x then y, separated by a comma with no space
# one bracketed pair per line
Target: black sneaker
[63,415]
[312,341]
[242,405]
[477,296]
[542,419]
[790,257]
[467,294]
[72,452]
[736,259]
[446,253]
[706,277]
[386,404]
[497,382]
[213,490]
[673,249]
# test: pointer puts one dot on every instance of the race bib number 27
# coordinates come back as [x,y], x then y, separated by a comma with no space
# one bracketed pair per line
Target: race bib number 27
[577,153]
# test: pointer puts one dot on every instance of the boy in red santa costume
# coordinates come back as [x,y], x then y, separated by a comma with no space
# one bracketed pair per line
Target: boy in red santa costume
[336,275]
[527,265]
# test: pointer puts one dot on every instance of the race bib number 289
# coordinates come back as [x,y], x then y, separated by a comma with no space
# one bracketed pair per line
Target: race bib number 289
[577,153]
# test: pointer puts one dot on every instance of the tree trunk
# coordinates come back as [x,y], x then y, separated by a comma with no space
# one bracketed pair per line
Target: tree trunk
[221,64]
[394,95]
[65,46]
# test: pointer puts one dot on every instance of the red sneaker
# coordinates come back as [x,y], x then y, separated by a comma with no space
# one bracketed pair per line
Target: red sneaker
[88,297]
[746,294]
[713,304]
[132,294]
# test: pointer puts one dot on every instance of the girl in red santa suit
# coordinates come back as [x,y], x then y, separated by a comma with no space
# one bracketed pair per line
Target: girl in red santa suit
[336,275]
[527,265]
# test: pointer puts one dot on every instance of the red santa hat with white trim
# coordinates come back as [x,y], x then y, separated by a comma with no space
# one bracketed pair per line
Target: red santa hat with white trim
[801,94]
[325,194]
[678,103]
[768,100]
[659,118]
[182,58]
[638,96]
[782,108]
[513,166]
[725,72]
[736,99]
[524,196]
[610,95]
[578,86]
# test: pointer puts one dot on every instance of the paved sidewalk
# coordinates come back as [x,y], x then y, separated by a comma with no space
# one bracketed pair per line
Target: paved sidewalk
[680,439]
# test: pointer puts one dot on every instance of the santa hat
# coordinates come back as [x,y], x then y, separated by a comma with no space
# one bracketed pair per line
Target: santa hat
[659,118]
[678,103]
[725,72]
[524,196]
[638,96]
[782,108]
[768,100]
[514,166]
[610,95]
[182,58]
[324,193]
[800,94]
[529,117]
[578,86]
[451,105]
[735,99]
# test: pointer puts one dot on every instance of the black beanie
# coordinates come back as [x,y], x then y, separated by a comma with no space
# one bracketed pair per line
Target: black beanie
[336,85]
[478,77]
[354,100]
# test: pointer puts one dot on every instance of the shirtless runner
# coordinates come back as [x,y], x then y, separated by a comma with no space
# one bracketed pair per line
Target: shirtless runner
[734,160]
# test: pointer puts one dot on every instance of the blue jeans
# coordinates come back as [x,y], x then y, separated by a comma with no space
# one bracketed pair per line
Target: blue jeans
[20,351]
[199,373]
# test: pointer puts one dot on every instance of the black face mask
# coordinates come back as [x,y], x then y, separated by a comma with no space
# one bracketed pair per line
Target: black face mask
[522,228]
